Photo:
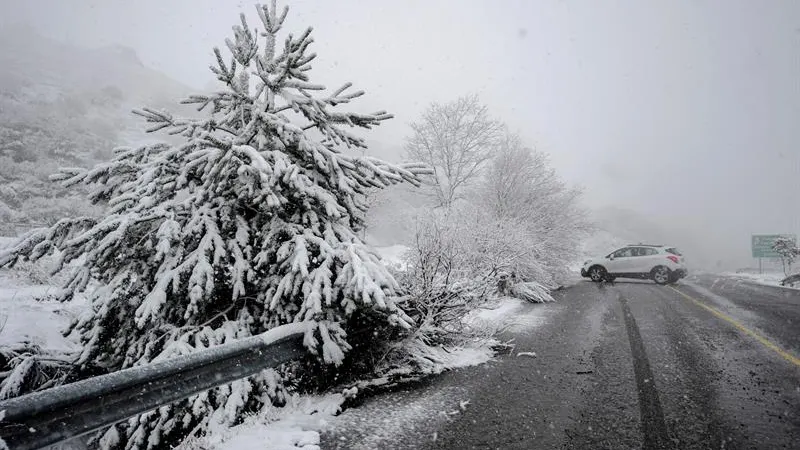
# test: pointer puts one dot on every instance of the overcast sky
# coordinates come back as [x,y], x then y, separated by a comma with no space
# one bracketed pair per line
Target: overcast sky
[688,111]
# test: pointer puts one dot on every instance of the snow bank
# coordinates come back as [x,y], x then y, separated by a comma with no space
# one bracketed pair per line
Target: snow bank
[465,356]
[299,423]
[295,426]
[506,314]
[422,359]
[406,416]
[767,279]
[26,313]
[399,419]
[24,318]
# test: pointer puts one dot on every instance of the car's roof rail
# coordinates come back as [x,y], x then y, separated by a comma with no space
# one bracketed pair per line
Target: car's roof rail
[646,245]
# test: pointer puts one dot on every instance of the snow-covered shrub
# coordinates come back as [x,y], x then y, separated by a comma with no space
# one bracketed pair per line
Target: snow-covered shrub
[791,280]
[34,272]
[459,258]
[30,368]
[521,186]
[788,250]
[514,239]
[455,264]
[39,272]
[252,222]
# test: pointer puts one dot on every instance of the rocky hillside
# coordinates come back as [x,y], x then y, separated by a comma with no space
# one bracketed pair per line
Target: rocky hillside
[65,106]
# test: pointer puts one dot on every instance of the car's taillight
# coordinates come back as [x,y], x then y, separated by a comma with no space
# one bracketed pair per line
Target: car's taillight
[673,259]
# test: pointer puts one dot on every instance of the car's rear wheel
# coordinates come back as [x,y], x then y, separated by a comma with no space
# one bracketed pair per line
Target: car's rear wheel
[597,273]
[661,275]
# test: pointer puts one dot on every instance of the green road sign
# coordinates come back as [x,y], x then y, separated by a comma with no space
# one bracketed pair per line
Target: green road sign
[762,244]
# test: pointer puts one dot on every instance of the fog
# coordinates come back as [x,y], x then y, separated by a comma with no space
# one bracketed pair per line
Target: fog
[680,116]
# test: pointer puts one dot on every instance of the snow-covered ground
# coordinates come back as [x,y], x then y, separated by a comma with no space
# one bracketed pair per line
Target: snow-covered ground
[293,426]
[299,424]
[389,421]
[505,314]
[27,313]
[767,278]
[405,415]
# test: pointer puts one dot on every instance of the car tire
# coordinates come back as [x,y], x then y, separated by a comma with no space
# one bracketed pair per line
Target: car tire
[673,278]
[597,273]
[661,275]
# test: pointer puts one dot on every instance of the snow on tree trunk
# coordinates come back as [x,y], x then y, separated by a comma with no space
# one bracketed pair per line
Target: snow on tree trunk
[251,223]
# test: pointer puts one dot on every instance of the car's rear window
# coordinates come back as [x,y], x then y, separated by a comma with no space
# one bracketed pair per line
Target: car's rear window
[674,251]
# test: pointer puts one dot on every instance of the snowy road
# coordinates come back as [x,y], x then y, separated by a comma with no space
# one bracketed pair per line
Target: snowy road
[710,363]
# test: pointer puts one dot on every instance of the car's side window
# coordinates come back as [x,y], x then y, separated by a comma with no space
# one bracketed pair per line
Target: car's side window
[623,253]
[643,251]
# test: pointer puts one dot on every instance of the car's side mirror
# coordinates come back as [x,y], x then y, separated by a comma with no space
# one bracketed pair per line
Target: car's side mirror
[611,257]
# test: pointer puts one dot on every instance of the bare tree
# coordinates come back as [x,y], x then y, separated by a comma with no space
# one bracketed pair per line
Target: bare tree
[518,177]
[456,139]
[521,185]
[788,250]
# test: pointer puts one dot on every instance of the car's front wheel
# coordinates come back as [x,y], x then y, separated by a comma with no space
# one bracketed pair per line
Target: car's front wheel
[673,278]
[661,275]
[597,273]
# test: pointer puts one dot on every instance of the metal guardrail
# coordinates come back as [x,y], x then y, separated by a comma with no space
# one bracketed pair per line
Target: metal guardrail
[55,415]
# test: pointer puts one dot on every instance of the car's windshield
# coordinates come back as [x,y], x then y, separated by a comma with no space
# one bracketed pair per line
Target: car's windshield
[351,224]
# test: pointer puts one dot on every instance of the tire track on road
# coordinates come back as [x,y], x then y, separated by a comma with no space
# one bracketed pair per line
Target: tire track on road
[654,427]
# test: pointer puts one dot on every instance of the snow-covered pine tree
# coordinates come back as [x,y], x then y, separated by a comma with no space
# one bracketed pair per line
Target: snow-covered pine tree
[251,223]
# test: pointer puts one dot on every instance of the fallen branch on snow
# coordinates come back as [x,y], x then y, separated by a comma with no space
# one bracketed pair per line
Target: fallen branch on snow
[531,291]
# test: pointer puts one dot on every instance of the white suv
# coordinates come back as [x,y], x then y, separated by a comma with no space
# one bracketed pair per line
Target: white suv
[659,263]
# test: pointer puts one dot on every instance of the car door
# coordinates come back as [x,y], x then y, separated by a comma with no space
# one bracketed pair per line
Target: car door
[641,259]
[620,260]
[649,260]
[634,263]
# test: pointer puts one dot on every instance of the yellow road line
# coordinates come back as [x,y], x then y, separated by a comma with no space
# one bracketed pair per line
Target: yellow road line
[766,342]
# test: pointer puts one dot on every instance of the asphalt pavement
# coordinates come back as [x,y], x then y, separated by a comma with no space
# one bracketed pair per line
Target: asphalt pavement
[710,363]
